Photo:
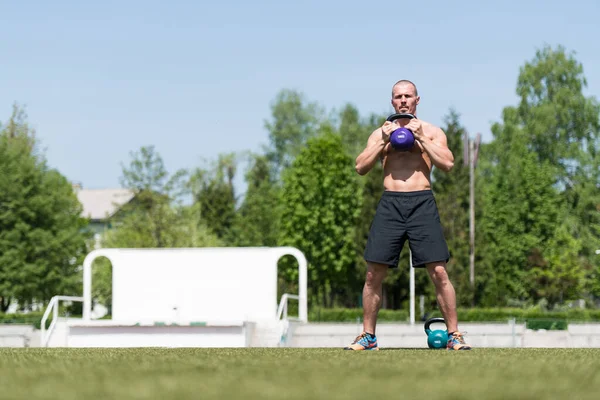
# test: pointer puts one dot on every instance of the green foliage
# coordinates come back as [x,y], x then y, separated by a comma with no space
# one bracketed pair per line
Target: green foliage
[540,216]
[559,120]
[547,324]
[258,218]
[522,314]
[32,318]
[534,317]
[321,202]
[537,203]
[319,314]
[214,195]
[452,196]
[294,121]
[146,172]
[559,275]
[154,219]
[563,127]
[42,238]
[355,132]
[519,201]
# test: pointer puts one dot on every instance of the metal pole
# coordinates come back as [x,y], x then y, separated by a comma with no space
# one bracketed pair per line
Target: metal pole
[412,289]
[472,213]
[512,323]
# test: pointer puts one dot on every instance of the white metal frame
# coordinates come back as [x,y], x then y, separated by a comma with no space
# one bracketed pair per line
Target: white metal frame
[282,310]
[53,306]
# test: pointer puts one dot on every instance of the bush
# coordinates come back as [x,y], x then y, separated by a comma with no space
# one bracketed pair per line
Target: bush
[548,324]
[521,315]
[533,318]
[33,318]
[354,315]
[544,319]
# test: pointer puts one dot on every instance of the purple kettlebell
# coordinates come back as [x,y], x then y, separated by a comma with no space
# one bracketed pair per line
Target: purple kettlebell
[402,139]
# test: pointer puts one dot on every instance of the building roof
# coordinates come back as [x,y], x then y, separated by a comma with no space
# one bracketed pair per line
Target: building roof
[102,203]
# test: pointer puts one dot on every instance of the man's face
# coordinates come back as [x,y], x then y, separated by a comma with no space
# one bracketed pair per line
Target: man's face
[404,98]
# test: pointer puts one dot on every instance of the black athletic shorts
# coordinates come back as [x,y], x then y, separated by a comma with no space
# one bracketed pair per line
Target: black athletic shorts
[406,215]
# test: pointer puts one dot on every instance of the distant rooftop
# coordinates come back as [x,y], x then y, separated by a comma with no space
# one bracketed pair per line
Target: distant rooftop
[102,203]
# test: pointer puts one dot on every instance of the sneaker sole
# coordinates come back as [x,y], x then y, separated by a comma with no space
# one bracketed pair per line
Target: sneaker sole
[371,349]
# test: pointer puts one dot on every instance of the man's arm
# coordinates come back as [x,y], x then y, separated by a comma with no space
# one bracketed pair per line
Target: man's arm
[369,156]
[436,146]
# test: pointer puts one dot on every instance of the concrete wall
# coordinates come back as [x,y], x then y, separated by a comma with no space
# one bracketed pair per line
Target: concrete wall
[477,334]
[158,336]
[584,335]
[17,335]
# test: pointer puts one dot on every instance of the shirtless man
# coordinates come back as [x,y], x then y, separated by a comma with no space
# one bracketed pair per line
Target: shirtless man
[406,210]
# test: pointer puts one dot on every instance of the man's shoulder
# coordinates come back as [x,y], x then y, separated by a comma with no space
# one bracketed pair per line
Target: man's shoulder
[376,133]
[432,128]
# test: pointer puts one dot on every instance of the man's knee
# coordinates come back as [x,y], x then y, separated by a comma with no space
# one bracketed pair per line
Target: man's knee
[438,273]
[376,273]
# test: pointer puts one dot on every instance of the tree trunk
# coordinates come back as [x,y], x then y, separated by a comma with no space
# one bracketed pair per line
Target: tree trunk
[4,304]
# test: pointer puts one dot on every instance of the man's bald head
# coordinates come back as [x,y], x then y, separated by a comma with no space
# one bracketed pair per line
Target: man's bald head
[405,97]
[406,82]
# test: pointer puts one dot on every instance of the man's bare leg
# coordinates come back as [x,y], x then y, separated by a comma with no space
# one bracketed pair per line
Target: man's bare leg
[446,298]
[372,292]
[372,289]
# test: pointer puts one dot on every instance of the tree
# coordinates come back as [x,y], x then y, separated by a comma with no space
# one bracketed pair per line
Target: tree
[321,202]
[452,194]
[559,274]
[258,218]
[355,132]
[561,123]
[151,219]
[214,193]
[564,130]
[42,235]
[156,218]
[294,121]
[520,210]
[543,175]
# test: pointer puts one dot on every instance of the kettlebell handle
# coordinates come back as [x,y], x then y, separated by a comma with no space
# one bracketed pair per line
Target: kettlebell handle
[432,321]
[394,117]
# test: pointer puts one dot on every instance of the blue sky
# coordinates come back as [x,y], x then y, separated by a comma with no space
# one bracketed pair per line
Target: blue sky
[197,78]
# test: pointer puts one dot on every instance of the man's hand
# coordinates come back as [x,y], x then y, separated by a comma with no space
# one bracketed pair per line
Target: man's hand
[386,130]
[416,128]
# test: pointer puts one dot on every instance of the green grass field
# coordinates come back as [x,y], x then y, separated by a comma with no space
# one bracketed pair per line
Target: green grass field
[299,374]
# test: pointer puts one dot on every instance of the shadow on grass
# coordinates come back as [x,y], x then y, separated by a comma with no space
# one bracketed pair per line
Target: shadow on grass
[407,348]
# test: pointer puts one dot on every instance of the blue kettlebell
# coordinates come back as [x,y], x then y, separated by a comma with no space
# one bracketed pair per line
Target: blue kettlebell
[401,139]
[437,339]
